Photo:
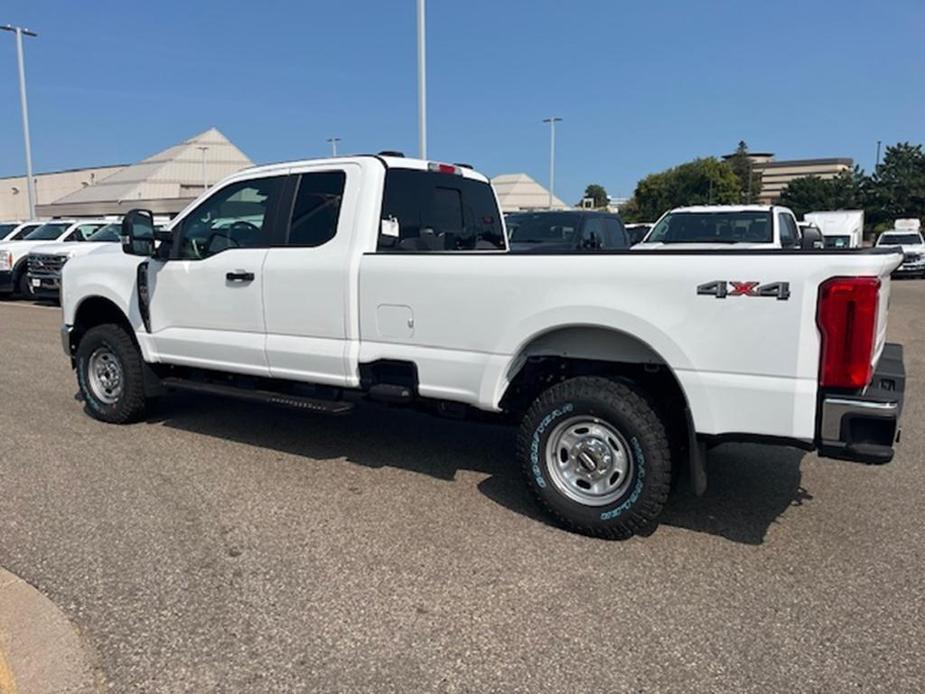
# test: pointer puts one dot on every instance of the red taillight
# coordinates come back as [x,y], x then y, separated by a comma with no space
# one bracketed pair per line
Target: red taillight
[847,320]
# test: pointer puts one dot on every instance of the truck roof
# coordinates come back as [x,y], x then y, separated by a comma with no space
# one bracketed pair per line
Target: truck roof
[725,208]
[390,161]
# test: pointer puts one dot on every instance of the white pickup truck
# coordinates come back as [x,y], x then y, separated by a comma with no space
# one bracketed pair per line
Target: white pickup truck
[706,227]
[315,284]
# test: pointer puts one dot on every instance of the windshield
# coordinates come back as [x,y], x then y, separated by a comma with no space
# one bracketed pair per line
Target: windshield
[25,231]
[900,240]
[543,226]
[48,231]
[6,229]
[837,241]
[713,227]
[110,232]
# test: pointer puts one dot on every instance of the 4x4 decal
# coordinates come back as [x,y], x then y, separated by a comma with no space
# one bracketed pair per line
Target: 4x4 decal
[721,289]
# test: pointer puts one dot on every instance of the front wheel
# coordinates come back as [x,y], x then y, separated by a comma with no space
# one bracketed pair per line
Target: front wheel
[110,373]
[596,456]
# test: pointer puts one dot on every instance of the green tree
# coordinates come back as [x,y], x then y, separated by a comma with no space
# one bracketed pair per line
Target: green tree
[699,182]
[846,191]
[744,169]
[598,193]
[897,187]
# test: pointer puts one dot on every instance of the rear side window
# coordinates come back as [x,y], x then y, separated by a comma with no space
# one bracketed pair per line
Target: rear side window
[316,208]
[788,230]
[614,233]
[440,212]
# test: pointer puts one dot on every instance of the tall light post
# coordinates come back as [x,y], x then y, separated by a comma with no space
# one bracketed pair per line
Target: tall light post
[205,180]
[877,163]
[333,141]
[552,120]
[30,182]
[422,82]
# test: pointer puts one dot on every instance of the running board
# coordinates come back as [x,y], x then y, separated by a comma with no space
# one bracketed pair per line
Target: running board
[298,402]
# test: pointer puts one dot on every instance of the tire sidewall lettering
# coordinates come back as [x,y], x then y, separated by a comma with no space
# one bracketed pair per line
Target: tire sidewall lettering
[536,466]
[638,487]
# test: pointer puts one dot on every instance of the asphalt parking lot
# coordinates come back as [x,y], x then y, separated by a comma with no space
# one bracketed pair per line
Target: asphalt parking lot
[220,546]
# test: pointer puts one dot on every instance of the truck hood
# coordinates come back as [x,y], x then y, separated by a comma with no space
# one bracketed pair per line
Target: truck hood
[71,249]
[659,246]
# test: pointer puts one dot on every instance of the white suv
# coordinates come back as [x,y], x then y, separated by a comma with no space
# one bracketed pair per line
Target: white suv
[913,246]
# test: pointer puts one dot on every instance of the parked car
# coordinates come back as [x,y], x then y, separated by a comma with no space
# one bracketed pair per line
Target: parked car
[913,248]
[14,252]
[840,229]
[45,261]
[754,227]
[619,366]
[569,230]
[637,232]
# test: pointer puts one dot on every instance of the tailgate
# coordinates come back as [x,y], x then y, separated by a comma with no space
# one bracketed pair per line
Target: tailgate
[883,309]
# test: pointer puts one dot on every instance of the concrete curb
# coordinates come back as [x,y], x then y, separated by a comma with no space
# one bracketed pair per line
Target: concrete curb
[40,650]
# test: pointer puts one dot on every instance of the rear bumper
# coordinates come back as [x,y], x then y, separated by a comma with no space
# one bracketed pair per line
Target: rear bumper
[864,427]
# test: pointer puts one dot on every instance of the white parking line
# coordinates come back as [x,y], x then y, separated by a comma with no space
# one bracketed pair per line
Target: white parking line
[23,304]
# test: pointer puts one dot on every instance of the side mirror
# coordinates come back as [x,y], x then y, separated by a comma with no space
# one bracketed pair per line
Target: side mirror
[812,239]
[138,233]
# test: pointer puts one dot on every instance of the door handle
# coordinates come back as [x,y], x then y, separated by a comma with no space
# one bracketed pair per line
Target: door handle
[239,276]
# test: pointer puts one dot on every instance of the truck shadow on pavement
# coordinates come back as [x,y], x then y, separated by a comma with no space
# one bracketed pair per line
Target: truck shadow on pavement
[750,486]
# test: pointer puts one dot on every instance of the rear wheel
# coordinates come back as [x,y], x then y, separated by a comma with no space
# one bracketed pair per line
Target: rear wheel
[110,373]
[596,456]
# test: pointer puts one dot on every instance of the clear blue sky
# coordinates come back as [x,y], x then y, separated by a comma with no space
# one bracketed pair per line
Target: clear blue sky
[641,85]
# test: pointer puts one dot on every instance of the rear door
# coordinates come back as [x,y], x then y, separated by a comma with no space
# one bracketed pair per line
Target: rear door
[306,278]
[206,300]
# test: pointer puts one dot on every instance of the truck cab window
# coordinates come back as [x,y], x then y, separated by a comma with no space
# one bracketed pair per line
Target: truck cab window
[788,230]
[440,212]
[316,208]
[233,217]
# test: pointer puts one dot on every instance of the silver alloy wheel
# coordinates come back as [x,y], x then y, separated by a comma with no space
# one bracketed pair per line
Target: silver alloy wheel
[589,461]
[104,374]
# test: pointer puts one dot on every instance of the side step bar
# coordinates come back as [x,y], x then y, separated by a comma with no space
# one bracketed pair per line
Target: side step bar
[298,402]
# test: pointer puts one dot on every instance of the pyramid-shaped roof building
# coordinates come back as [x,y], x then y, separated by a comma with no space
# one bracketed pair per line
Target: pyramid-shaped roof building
[165,182]
[518,192]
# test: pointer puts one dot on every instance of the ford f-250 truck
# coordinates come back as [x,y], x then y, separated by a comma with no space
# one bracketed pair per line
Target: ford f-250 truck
[317,283]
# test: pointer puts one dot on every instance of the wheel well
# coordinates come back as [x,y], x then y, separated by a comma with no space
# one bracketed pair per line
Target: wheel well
[94,311]
[593,351]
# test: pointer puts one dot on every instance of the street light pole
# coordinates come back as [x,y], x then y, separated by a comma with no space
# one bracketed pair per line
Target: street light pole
[552,120]
[422,82]
[333,141]
[205,180]
[30,182]
[877,163]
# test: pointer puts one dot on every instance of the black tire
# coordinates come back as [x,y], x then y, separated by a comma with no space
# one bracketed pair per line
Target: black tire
[22,285]
[626,412]
[130,402]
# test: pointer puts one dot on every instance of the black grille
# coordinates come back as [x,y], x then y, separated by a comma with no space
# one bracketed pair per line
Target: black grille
[42,264]
[912,257]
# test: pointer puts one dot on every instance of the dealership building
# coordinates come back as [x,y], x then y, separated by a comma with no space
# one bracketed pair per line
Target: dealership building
[165,182]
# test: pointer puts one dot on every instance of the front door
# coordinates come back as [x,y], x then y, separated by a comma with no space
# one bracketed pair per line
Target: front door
[206,300]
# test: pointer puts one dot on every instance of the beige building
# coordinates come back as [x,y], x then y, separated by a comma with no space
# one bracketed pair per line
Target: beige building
[164,183]
[14,198]
[775,175]
[518,192]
